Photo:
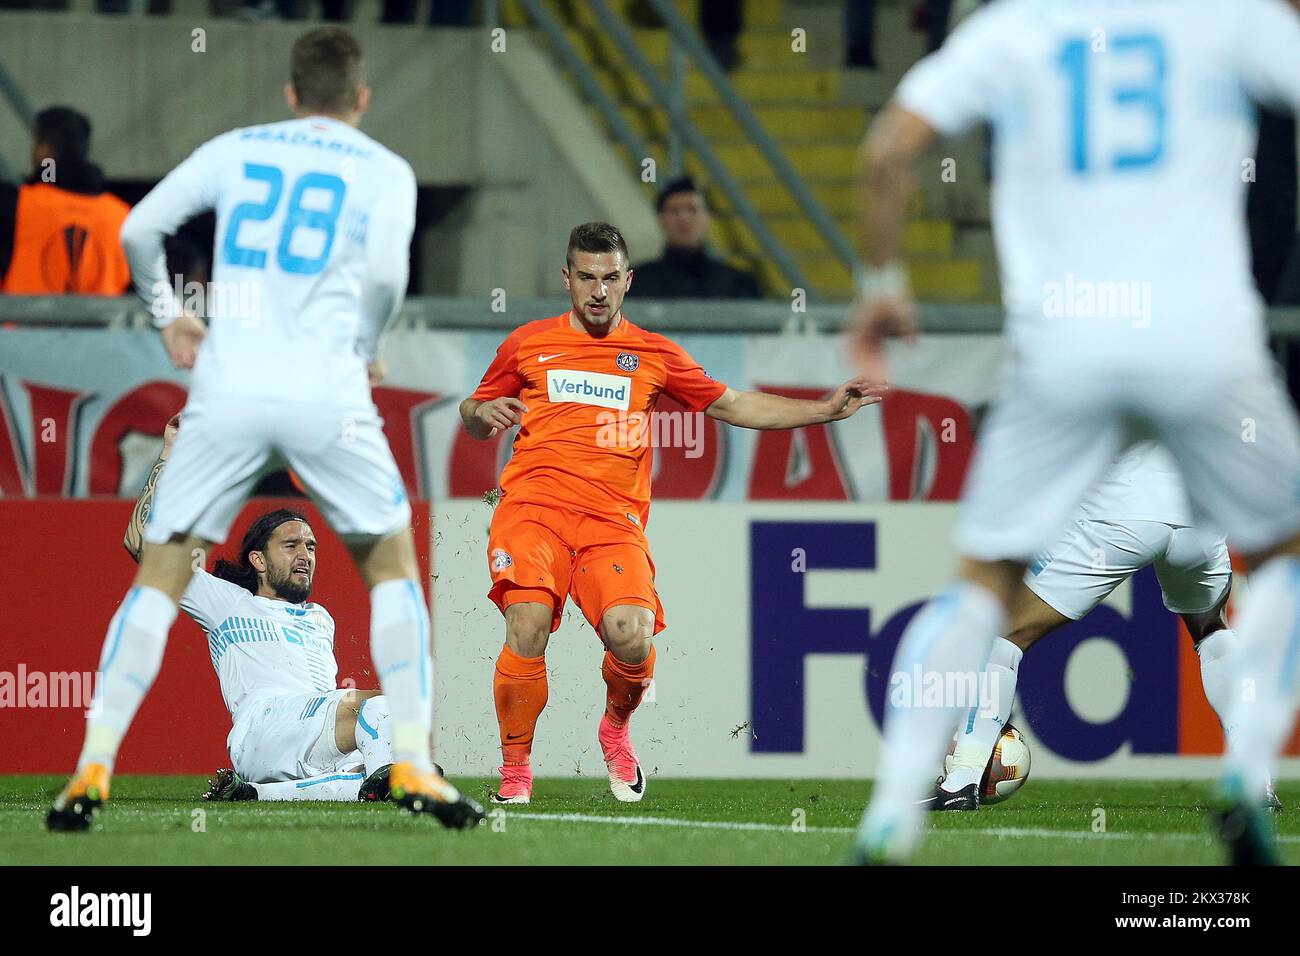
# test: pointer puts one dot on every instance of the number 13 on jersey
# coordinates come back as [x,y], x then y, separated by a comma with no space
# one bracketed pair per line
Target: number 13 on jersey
[1078,59]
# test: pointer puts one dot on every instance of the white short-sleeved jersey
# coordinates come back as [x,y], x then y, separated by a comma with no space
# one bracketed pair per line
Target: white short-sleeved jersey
[1143,484]
[1123,134]
[314,223]
[259,644]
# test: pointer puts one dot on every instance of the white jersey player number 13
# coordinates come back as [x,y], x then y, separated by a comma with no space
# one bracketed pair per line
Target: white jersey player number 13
[1119,134]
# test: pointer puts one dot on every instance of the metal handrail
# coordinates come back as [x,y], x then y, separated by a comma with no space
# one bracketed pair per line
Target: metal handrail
[622,36]
[629,138]
[461,312]
[21,106]
[683,35]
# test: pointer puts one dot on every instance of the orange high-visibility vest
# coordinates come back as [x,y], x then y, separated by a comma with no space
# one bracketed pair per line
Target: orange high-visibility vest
[67,243]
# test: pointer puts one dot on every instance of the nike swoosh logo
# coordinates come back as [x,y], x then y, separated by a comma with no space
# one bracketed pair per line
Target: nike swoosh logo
[514,736]
[547,358]
[640,781]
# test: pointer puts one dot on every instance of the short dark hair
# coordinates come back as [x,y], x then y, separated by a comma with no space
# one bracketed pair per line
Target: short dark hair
[65,131]
[255,539]
[683,184]
[326,70]
[595,237]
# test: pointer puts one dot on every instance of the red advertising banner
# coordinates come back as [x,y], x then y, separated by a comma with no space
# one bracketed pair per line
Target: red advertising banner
[64,574]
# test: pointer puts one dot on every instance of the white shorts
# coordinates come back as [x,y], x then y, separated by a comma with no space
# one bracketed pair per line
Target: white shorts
[1052,434]
[288,737]
[1095,557]
[224,448]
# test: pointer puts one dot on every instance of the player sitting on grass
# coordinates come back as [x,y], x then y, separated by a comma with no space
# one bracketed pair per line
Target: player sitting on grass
[295,735]
[1137,515]
[314,221]
[576,499]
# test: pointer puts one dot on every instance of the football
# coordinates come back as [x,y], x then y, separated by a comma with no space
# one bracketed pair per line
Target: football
[1007,770]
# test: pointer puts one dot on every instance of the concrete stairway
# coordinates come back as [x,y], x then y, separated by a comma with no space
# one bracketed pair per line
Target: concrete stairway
[817,112]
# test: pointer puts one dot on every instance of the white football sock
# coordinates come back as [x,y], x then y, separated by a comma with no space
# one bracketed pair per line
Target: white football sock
[947,642]
[976,737]
[399,646]
[329,786]
[1260,696]
[375,733]
[132,654]
[1217,661]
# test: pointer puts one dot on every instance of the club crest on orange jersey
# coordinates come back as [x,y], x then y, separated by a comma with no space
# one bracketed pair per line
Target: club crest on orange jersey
[628,362]
[501,560]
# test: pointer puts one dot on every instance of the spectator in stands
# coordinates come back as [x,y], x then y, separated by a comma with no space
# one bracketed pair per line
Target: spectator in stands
[442,13]
[932,17]
[721,23]
[1271,200]
[686,270]
[860,34]
[59,229]
[1271,218]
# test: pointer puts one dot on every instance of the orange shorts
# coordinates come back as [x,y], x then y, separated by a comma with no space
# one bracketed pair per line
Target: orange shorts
[546,554]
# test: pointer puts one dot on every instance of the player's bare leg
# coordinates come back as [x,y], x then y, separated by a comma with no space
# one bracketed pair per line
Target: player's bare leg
[1032,619]
[347,717]
[628,669]
[519,691]
[944,646]
[128,664]
[399,646]
[363,721]
[1263,711]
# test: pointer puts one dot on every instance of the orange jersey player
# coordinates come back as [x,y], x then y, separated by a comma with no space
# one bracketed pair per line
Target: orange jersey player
[571,521]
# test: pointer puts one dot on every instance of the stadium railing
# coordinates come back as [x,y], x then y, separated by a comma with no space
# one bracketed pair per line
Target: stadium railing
[582,74]
[668,315]
[687,39]
[618,31]
[451,312]
[668,93]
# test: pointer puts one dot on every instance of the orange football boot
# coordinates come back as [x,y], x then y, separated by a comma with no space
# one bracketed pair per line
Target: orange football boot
[427,792]
[75,807]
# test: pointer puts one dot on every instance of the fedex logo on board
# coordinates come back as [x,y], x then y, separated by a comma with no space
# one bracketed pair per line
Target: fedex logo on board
[1163,711]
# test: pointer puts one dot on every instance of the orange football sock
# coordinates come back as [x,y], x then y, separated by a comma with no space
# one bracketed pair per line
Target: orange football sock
[626,684]
[519,687]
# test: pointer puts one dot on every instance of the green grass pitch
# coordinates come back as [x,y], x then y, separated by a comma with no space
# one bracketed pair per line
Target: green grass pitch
[152,820]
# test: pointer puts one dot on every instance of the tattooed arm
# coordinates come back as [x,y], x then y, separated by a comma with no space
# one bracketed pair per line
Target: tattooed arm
[133,540]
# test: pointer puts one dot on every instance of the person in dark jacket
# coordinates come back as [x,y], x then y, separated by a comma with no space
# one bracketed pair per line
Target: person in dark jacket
[686,270]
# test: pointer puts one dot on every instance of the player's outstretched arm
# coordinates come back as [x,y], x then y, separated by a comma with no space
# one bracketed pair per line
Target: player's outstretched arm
[484,419]
[767,411]
[133,540]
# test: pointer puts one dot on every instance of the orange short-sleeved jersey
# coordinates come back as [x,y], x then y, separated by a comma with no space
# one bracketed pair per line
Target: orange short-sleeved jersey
[585,441]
